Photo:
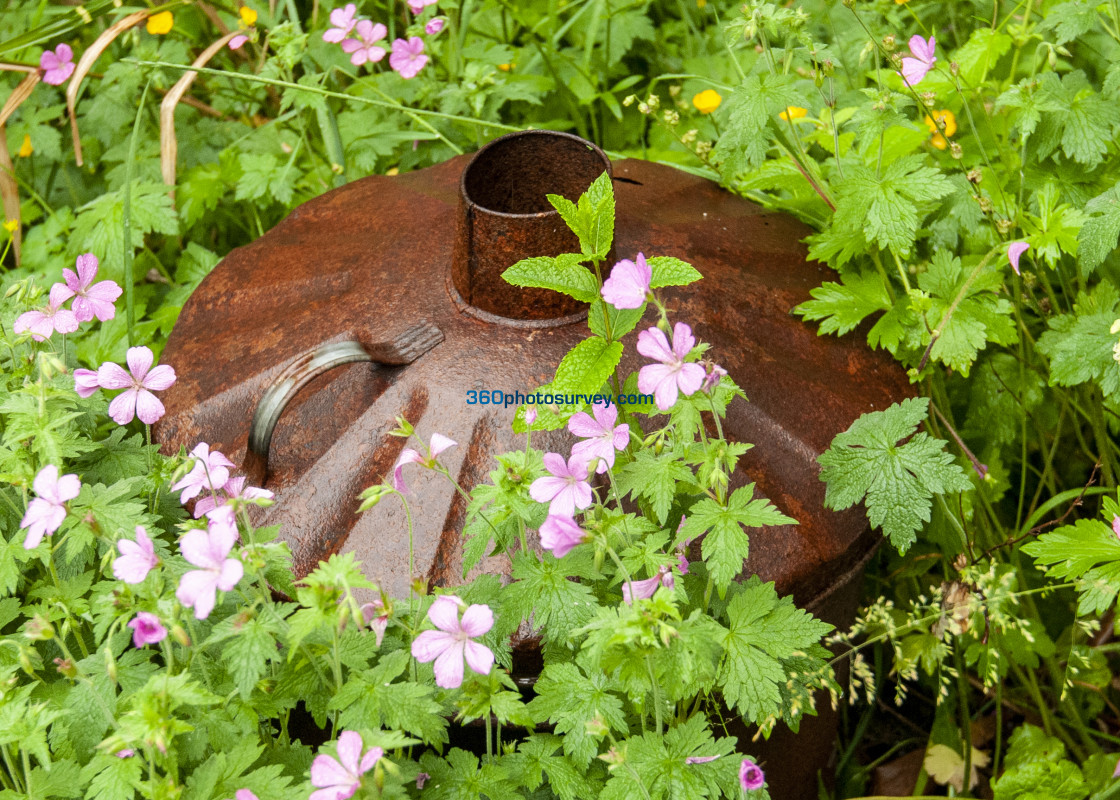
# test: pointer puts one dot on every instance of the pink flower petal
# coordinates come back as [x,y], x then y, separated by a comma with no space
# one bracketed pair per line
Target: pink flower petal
[139,361]
[1014,252]
[327,772]
[479,657]
[123,407]
[477,620]
[690,378]
[232,572]
[429,644]
[683,340]
[653,344]
[441,443]
[148,406]
[449,666]
[198,590]
[372,756]
[444,614]
[85,382]
[350,751]
[112,376]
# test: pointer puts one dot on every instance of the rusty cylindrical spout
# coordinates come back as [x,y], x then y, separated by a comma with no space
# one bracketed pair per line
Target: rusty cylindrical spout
[504,216]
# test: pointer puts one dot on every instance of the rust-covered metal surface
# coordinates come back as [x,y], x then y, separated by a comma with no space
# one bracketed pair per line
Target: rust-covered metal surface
[380,256]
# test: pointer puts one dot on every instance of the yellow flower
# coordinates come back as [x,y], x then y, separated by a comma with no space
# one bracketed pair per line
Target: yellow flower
[248,15]
[701,3]
[26,149]
[393,171]
[707,101]
[10,225]
[901,2]
[160,23]
[947,120]
[792,112]
[505,67]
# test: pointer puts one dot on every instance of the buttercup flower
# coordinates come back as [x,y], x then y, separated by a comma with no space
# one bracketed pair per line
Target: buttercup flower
[672,374]
[208,549]
[750,775]
[137,558]
[628,284]
[343,21]
[643,590]
[560,534]
[408,57]
[248,16]
[437,445]
[377,617]
[90,299]
[1014,251]
[915,68]
[138,400]
[235,489]
[707,101]
[147,629]
[601,437]
[41,323]
[25,148]
[339,778]
[449,645]
[210,472]
[160,23]
[434,26]
[364,48]
[566,489]
[47,511]
[418,6]
[792,113]
[58,65]
[945,119]
[85,382]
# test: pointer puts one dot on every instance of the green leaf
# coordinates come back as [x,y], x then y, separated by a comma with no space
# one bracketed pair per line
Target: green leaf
[980,53]
[569,699]
[622,320]
[1080,345]
[654,478]
[669,271]
[898,481]
[845,305]
[248,653]
[1098,235]
[752,109]
[592,218]
[587,366]
[544,595]
[726,544]
[561,274]
[1087,551]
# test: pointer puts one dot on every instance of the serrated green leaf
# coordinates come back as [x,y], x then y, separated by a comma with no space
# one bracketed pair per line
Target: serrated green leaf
[561,274]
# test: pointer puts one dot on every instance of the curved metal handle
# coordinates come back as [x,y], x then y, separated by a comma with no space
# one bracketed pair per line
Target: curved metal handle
[404,349]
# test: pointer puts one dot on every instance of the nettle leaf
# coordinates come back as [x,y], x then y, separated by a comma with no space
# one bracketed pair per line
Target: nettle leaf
[842,306]
[1087,551]
[977,315]
[897,481]
[669,271]
[569,699]
[562,274]
[1080,345]
[726,544]
[1098,235]
[764,631]
[544,596]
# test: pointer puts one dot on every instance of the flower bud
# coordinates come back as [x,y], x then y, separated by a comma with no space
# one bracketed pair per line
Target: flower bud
[975,175]
[596,727]
[180,635]
[110,665]
[66,667]
[955,150]
[39,629]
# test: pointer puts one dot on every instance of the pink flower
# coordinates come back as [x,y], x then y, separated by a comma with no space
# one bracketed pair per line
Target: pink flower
[343,21]
[208,549]
[238,41]
[664,379]
[127,752]
[434,26]
[750,774]
[85,382]
[438,443]
[210,472]
[244,794]
[560,534]
[407,58]
[914,69]
[530,416]
[1014,251]
[601,436]
[566,489]
[339,779]
[713,377]
[364,48]
[643,590]
[90,299]
[138,400]
[453,641]
[57,66]
[377,617]
[418,6]
[628,284]
[421,779]
[682,551]
[46,512]
[137,558]
[147,629]
[235,489]
[700,759]
[41,323]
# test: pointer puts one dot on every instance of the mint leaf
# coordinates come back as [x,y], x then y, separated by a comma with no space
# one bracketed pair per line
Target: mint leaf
[725,543]
[669,271]
[587,366]
[561,274]
[897,481]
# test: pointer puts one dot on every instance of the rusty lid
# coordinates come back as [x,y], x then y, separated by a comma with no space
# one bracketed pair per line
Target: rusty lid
[384,298]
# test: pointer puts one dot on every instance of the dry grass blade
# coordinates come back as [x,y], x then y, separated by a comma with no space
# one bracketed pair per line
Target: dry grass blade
[85,64]
[9,191]
[168,145]
[18,95]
